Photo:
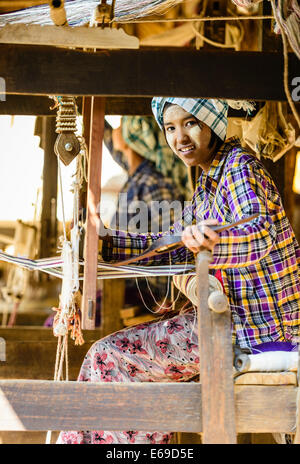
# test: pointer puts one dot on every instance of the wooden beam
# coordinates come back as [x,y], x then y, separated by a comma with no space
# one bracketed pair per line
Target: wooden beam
[37,334]
[49,200]
[57,36]
[93,201]
[30,353]
[113,297]
[38,105]
[45,405]
[215,345]
[145,72]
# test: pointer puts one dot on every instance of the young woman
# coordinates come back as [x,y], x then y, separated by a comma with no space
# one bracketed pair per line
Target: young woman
[258,262]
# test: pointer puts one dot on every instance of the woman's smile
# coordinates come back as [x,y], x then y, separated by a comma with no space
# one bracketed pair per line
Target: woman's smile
[187,150]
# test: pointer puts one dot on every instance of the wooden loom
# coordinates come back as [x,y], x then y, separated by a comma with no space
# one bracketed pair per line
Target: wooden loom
[215,406]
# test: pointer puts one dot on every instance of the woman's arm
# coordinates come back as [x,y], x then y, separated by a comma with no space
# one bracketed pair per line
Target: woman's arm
[119,245]
[248,191]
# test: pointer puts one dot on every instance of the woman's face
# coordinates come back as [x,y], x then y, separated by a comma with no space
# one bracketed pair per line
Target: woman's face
[188,137]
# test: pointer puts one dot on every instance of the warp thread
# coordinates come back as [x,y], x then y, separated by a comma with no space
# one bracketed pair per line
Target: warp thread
[79,12]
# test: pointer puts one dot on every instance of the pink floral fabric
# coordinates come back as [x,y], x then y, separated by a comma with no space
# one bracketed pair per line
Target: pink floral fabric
[157,351]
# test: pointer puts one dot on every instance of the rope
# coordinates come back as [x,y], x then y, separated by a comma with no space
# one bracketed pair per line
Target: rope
[70,275]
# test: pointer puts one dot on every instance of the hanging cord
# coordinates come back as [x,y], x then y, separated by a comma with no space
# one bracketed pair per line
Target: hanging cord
[198,26]
[285,69]
[70,253]
[61,355]
[62,198]
[161,306]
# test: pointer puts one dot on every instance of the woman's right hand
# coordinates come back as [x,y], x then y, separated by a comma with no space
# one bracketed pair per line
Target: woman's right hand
[200,236]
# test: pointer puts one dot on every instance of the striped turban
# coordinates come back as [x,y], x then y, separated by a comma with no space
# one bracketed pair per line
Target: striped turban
[212,112]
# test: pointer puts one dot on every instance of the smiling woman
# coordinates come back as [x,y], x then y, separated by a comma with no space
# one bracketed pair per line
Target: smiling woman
[256,262]
[189,138]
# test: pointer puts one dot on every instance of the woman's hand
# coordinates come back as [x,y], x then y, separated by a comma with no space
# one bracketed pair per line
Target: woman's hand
[200,236]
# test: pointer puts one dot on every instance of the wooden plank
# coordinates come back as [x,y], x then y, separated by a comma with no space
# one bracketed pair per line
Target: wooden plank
[44,405]
[132,311]
[144,72]
[138,320]
[34,333]
[26,438]
[218,419]
[38,105]
[48,236]
[113,296]
[35,34]
[93,201]
[32,318]
[267,378]
[257,409]
[30,354]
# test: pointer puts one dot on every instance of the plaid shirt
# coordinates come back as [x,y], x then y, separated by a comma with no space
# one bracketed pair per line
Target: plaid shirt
[146,184]
[259,261]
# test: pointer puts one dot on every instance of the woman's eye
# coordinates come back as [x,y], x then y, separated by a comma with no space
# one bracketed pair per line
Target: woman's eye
[191,123]
[170,129]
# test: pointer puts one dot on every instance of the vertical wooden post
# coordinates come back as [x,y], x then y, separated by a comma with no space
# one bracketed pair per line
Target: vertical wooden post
[49,201]
[216,364]
[93,199]
[113,293]
[86,117]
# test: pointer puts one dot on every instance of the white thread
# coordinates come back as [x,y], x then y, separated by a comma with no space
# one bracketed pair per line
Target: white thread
[161,306]
[273,361]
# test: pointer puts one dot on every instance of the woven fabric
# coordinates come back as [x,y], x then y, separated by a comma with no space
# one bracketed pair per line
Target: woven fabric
[212,112]
[259,261]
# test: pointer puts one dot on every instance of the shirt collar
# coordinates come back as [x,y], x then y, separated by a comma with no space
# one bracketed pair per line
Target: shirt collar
[216,167]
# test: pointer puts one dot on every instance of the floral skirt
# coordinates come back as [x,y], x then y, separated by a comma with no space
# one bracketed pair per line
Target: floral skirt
[157,351]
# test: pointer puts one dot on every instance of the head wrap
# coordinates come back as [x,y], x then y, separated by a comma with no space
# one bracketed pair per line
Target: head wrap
[144,137]
[212,112]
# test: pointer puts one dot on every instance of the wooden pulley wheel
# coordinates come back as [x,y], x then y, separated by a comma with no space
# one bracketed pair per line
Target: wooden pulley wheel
[67,147]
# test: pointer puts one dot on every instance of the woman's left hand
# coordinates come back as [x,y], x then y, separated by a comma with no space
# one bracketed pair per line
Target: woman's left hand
[200,236]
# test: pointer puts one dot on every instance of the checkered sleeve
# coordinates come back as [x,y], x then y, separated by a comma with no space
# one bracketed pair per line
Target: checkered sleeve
[248,191]
[123,245]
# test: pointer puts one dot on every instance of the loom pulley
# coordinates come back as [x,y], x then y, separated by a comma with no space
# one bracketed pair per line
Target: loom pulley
[67,145]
